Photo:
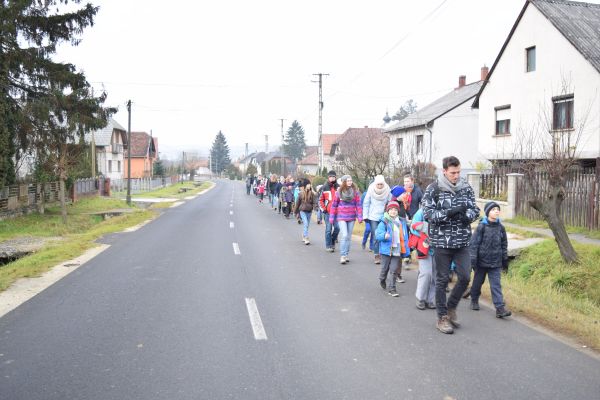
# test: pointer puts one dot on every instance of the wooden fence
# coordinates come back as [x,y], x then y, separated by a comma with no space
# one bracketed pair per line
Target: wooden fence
[582,202]
[493,186]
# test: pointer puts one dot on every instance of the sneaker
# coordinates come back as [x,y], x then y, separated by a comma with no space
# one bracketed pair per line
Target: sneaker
[343,260]
[307,241]
[443,325]
[393,293]
[421,304]
[399,279]
[453,317]
[503,312]
[363,246]
[330,249]
[370,250]
[377,259]
[382,284]
[431,306]
[474,306]
[467,293]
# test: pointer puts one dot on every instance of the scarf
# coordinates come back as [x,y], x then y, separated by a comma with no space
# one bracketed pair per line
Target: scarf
[347,194]
[447,186]
[396,226]
[379,194]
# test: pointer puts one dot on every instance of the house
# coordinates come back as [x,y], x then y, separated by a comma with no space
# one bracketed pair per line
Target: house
[327,140]
[447,126]
[362,147]
[309,165]
[546,78]
[109,143]
[143,154]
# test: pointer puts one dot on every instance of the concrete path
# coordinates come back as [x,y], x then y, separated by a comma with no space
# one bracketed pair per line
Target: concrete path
[577,237]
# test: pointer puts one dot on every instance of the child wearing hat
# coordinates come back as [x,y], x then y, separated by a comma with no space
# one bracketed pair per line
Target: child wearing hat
[392,236]
[489,254]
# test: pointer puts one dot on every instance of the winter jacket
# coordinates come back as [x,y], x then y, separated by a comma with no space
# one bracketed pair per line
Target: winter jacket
[288,195]
[327,196]
[278,186]
[305,204]
[415,202]
[273,187]
[373,209]
[444,231]
[385,245]
[345,210]
[489,245]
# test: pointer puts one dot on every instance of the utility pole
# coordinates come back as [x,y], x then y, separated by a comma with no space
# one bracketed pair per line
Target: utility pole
[129,152]
[266,154]
[93,145]
[282,152]
[182,166]
[320,75]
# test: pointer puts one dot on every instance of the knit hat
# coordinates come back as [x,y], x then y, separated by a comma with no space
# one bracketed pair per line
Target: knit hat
[379,179]
[331,173]
[397,191]
[346,177]
[488,207]
[392,204]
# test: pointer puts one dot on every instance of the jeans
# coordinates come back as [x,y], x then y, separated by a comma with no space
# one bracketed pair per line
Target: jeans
[442,259]
[346,236]
[305,215]
[426,280]
[374,242]
[330,237]
[247,189]
[319,215]
[274,200]
[288,208]
[389,264]
[495,286]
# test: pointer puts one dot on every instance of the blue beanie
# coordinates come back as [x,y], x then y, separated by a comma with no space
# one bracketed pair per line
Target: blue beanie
[397,191]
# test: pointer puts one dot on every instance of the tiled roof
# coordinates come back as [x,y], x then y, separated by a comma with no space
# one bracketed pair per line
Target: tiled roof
[328,139]
[438,108]
[139,144]
[311,156]
[578,22]
[102,136]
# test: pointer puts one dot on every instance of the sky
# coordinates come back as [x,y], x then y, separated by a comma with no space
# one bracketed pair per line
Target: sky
[194,68]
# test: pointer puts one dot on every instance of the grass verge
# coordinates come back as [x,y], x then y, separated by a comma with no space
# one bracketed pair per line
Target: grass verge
[172,192]
[76,236]
[559,296]
[592,234]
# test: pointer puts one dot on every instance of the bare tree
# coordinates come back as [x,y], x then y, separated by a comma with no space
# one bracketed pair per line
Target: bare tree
[413,157]
[363,153]
[551,146]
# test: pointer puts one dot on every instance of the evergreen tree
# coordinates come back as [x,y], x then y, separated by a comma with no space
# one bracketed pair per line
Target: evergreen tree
[219,154]
[405,110]
[294,144]
[30,31]
[158,169]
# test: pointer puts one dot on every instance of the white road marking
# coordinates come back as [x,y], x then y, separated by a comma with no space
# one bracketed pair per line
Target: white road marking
[236,249]
[231,224]
[231,212]
[255,321]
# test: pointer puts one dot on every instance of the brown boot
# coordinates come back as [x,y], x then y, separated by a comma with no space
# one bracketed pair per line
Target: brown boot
[453,317]
[444,326]
[377,259]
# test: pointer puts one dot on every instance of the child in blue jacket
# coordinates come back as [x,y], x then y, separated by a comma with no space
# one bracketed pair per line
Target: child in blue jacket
[392,235]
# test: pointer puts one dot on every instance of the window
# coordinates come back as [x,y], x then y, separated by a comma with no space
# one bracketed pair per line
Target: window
[419,144]
[562,112]
[109,165]
[530,55]
[118,166]
[399,145]
[503,120]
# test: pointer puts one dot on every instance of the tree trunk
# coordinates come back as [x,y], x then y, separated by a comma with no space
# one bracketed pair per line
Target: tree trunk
[549,208]
[62,176]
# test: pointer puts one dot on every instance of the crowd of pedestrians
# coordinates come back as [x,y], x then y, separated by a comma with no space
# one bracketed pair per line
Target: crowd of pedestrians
[404,222]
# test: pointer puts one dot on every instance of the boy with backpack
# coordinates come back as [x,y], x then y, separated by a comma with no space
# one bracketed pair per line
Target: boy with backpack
[489,254]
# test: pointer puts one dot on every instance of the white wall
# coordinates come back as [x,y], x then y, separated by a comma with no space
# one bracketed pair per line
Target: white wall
[528,93]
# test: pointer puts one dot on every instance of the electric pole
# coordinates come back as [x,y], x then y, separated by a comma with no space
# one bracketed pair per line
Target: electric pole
[282,153]
[320,75]
[129,152]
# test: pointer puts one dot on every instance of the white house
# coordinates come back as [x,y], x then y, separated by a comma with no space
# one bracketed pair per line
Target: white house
[110,143]
[448,126]
[546,79]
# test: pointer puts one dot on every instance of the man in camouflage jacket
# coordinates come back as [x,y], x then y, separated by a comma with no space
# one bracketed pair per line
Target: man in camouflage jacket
[449,207]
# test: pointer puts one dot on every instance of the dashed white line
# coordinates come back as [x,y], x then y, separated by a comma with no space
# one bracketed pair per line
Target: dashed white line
[231,212]
[231,224]
[236,249]
[255,321]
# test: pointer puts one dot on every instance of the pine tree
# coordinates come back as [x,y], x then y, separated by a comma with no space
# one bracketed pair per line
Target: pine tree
[158,169]
[294,144]
[219,154]
[41,99]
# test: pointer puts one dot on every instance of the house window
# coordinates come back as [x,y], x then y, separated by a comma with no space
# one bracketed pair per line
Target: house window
[109,165]
[399,145]
[118,166]
[530,55]
[503,120]
[562,112]
[419,144]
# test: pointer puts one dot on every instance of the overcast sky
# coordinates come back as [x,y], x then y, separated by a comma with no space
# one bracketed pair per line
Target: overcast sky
[192,68]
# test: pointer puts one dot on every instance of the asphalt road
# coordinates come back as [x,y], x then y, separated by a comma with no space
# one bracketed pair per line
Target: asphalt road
[164,313]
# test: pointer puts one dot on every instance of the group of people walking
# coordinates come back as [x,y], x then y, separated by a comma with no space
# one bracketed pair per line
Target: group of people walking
[434,226]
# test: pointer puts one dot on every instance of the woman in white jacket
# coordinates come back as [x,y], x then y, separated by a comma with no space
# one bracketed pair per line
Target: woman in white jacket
[378,195]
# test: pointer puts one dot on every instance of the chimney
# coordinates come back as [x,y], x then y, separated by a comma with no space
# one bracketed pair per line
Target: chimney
[366,126]
[484,72]
[462,81]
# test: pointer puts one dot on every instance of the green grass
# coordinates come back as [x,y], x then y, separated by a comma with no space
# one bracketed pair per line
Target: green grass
[564,297]
[522,232]
[593,234]
[173,191]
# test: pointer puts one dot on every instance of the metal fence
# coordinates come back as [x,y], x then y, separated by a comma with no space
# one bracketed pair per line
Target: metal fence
[493,186]
[140,185]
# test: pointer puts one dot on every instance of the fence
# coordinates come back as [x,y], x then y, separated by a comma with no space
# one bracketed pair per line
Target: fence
[139,185]
[582,198]
[493,186]
[25,198]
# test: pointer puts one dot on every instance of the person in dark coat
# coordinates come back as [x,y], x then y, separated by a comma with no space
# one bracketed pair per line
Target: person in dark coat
[415,194]
[489,253]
